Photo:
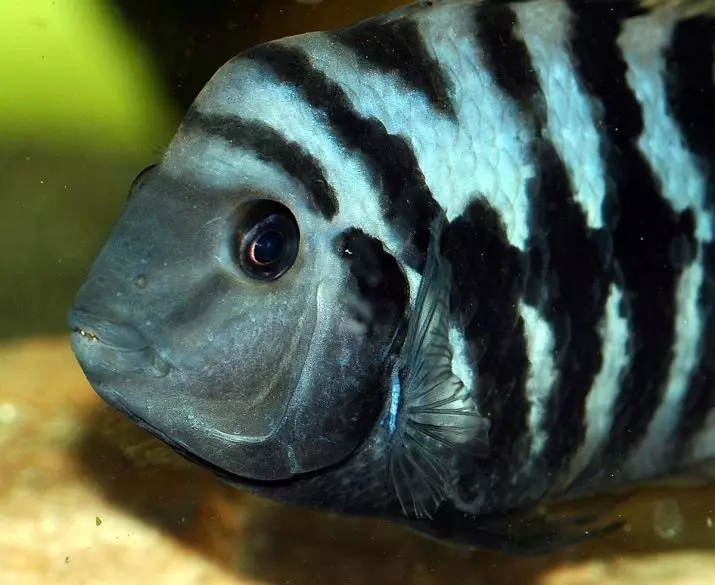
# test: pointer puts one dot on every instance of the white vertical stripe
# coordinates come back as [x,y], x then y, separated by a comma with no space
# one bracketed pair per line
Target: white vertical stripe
[246,89]
[486,153]
[643,42]
[545,28]
[647,459]
[703,446]
[210,162]
[607,384]
[542,374]
[462,365]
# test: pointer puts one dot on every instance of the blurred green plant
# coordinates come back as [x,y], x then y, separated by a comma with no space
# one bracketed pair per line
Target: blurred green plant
[80,115]
[71,72]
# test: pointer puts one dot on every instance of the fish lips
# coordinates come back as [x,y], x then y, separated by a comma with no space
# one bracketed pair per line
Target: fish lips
[106,349]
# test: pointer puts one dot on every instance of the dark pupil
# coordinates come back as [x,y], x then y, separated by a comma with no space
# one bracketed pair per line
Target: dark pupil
[267,248]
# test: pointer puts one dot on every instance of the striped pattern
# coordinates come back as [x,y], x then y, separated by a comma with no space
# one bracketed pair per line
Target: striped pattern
[398,48]
[644,43]
[691,94]
[270,146]
[390,165]
[640,246]
[487,286]
[572,146]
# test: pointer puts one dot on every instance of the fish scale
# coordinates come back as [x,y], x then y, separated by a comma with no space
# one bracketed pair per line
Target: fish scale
[502,289]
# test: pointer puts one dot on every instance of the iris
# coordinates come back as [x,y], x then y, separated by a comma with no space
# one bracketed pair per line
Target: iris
[267,239]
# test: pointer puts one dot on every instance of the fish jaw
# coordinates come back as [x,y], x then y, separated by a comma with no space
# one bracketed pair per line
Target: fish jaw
[107,348]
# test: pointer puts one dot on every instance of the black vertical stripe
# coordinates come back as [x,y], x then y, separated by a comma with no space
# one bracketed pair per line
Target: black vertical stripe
[489,274]
[700,397]
[269,145]
[576,277]
[691,88]
[506,57]
[378,282]
[377,279]
[397,47]
[691,100]
[569,277]
[487,284]
[406,200]
[646,224]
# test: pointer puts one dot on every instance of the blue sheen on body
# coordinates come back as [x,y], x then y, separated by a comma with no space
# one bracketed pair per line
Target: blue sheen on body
[395,391]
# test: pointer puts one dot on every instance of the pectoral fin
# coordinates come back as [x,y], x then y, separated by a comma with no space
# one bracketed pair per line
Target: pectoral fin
[436,418]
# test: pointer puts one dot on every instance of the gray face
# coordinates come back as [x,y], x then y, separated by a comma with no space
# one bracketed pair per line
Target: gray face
[264,368]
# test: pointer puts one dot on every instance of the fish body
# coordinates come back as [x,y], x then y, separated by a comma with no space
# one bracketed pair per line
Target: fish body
[441,267]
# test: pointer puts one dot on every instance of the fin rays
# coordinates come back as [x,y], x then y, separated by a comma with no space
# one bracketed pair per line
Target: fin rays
[437,419]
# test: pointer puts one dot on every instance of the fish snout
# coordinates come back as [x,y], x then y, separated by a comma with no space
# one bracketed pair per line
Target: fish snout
[105,347]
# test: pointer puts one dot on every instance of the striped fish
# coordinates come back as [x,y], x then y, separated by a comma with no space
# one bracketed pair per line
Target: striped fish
[442,266]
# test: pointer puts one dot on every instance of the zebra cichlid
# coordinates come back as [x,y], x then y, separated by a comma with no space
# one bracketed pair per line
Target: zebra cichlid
[442,267]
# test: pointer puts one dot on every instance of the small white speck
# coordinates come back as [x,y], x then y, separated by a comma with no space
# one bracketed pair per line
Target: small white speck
[8,413]
[709,522]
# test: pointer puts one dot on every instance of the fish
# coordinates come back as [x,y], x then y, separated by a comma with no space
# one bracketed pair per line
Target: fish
[445,267]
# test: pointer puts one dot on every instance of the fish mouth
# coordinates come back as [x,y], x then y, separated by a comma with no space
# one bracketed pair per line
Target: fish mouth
[105,348]
[86,334]
[114,334]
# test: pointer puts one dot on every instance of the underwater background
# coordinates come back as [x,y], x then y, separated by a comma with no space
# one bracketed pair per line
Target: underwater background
[90,93]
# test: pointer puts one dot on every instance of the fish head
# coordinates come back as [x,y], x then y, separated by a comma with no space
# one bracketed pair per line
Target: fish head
[224,315]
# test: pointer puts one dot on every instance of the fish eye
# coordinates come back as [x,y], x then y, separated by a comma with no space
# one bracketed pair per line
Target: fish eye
[267,240]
